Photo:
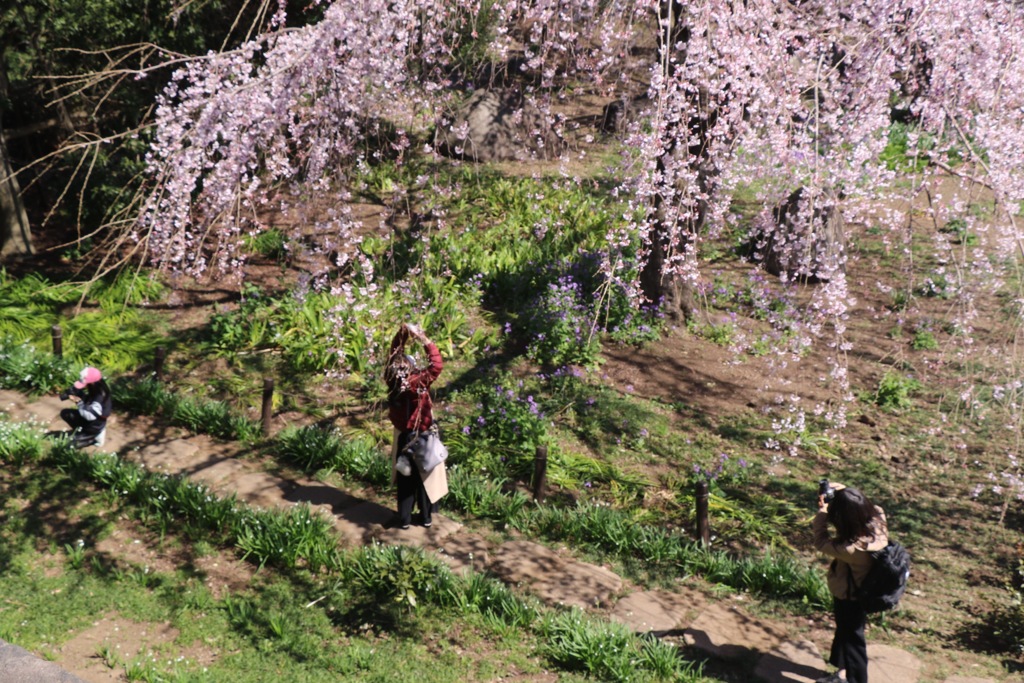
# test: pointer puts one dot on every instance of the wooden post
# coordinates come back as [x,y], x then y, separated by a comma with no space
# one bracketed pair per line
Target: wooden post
[58,341]
[703,524]
[268,405]
[540,473]
[160,354]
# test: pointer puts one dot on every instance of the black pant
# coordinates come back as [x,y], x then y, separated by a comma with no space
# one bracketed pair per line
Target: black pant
[849,647]
[84,427]
[411,490]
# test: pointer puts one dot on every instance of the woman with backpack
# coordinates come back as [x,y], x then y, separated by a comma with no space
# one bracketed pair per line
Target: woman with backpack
[860,529]
[410,410]
[89,420]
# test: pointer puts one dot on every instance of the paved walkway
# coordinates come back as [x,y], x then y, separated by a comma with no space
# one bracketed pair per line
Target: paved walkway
[720,629]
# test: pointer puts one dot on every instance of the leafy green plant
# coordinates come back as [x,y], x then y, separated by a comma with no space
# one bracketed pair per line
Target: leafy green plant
[562,327]
[128,288]
[936,285]
[483,496]
[958,227]
[271,244]
[247,327]
[722,334]
[896,155]
[721,471]
[476,592]
[894,391]
[115,338]
[75,553]
[924,340]
[282,538]
[397,574]
[510,424]
[901,299]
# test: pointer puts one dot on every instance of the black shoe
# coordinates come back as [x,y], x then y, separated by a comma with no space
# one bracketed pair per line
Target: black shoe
[427,524]
[831,678]
[396,523]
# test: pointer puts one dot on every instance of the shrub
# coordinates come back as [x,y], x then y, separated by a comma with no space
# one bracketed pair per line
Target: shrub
[561,326]
[27,369]
[894,391]
[509,423]
[924,340]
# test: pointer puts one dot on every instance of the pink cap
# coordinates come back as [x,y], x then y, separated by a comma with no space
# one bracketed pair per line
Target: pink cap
[88,376]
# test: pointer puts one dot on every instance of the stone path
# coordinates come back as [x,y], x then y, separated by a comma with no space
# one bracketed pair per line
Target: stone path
[720,629]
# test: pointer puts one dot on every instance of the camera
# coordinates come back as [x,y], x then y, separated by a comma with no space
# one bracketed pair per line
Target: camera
[68,393]
[826,490]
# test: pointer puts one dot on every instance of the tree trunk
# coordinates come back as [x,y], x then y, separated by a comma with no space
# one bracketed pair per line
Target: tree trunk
[673,294]
[15,232]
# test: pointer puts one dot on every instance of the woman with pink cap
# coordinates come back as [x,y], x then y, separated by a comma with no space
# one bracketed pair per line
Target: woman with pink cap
[89,421]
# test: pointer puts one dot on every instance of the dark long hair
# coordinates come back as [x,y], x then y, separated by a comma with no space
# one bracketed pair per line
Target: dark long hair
[98,390]
[852,514]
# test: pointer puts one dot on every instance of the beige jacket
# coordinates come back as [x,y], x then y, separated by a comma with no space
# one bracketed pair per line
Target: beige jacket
[435,483]
[853,557]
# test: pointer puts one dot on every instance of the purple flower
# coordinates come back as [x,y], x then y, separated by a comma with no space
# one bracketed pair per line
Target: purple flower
[465,430]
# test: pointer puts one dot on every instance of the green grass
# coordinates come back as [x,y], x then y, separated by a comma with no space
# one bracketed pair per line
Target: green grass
[373,611]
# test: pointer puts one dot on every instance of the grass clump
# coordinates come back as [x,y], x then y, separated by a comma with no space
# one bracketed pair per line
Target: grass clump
[21,443]
[149,396]
[315,449]
[610,651]
[24,368]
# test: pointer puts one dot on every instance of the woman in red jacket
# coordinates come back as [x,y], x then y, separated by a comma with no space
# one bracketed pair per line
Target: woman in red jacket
[410,410]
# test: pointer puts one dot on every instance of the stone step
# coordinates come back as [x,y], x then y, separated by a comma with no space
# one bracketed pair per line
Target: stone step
[21,666]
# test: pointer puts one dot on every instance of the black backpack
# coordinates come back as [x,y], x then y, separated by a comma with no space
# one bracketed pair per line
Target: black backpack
[886,581]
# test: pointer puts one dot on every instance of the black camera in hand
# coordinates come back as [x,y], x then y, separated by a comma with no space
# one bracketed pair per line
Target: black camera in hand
[826,491]
[68,393]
